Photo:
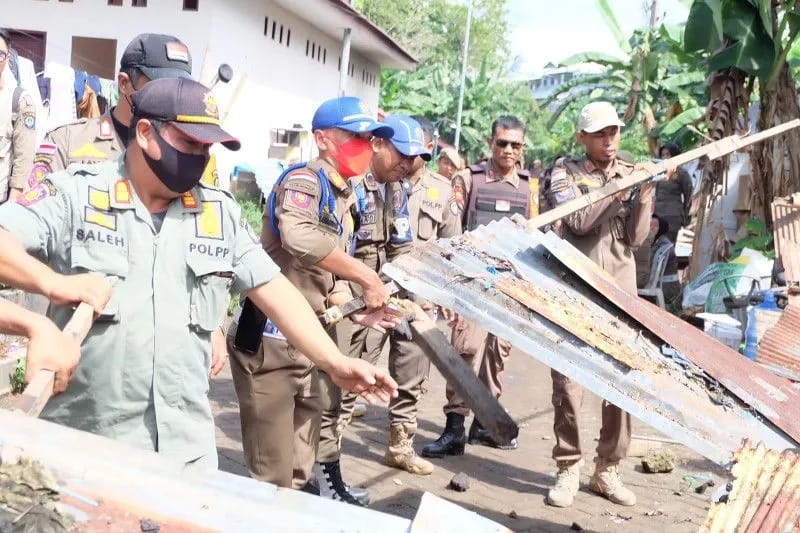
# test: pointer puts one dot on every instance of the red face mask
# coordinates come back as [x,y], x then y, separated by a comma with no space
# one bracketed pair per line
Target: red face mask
[352,157]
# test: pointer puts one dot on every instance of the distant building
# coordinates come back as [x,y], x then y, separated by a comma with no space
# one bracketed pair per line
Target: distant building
[286,56]
[545,82]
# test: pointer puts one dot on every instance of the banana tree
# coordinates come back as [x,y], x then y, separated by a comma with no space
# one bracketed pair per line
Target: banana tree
[659,84]
[748,43]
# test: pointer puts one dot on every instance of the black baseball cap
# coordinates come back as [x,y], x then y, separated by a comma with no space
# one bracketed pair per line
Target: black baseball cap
[186,104]
[158,56]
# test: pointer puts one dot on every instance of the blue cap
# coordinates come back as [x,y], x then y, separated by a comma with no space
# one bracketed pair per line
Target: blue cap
[408,137]
[348,113]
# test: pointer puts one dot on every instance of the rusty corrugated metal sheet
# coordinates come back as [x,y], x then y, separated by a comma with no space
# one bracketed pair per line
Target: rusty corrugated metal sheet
[786,221]
[780,345]
[774,397]
[510,283]
[765,494]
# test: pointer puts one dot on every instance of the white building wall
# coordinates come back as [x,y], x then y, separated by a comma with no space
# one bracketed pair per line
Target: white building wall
[274,86]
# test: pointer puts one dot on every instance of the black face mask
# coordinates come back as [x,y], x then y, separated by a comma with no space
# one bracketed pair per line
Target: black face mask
[177,170]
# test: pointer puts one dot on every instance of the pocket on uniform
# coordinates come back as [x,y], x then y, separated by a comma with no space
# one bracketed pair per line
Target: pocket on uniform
[427,227]
[210,293]
[86,260]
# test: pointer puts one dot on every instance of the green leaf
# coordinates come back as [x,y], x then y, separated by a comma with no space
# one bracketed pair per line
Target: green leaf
[674,82]
[765,13]
[753,51]
[613,25]
[690,116]
[756,226]
[704,26]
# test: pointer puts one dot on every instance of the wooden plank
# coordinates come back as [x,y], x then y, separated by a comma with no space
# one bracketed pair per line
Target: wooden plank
[713,150]
[40,388]
[461,377]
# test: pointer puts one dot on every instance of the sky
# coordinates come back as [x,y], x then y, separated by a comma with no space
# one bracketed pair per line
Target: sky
[545,31]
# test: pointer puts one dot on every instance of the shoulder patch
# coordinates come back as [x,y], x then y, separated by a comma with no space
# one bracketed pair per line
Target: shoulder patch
[29,120]
[454,209]
[297,200]
[42,190]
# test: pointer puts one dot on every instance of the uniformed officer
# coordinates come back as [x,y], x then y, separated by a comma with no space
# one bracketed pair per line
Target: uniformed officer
[148,56]
[382,232]
[173,249]
[17,128]
[48,348]
[432,213]
[607,231]
[308,231]
[449,162]
[488,190]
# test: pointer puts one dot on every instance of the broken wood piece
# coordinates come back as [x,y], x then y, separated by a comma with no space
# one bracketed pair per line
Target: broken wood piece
[40,388]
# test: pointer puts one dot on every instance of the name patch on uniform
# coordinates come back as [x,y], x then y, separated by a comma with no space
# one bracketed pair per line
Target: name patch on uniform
[87,151]
[367,219]
[99,199]
[208,249]
[208,223]
[98,218]
[88,235]
[297,199]
[431,204]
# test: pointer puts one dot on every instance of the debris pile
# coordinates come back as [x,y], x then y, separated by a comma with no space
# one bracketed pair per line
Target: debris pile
[29,499]
[764,496]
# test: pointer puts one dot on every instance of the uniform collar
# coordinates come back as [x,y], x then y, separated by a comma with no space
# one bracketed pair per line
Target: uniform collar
[492,175]
[123,196]
[591,167]
[414,186]
[336,179]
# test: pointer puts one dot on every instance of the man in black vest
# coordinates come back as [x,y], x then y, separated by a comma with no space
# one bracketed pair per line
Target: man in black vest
[489,190]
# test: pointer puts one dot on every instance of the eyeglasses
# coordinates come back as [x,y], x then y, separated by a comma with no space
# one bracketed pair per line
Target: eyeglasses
[3,56]
[502,143]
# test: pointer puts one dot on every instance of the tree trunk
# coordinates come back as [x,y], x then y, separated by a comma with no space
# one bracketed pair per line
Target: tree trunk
[775,162]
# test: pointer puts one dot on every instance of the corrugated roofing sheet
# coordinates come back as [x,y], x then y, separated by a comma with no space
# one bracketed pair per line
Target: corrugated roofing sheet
[786,221]
[765,494]
[506,279]
[780,346]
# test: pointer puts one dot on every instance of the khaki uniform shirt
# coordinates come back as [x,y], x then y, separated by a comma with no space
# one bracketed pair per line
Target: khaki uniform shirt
[608,230]
[462,184]
[433,210]
[89,140]
[17,140]
[143,373]
[383,225]
[307,233]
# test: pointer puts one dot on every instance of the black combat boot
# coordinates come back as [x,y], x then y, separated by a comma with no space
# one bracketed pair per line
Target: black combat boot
[331,485]
[452,440]
[480,435]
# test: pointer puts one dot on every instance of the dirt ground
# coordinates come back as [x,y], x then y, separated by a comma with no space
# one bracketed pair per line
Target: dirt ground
[506,486]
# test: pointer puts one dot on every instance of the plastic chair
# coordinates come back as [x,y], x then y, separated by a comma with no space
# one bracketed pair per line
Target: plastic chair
[657,267]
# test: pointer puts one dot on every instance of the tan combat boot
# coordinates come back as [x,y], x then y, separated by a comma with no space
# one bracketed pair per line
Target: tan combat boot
[607,482]
[568,481]
[401,451]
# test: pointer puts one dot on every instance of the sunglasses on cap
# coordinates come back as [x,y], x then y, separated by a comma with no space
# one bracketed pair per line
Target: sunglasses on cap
[502,143]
